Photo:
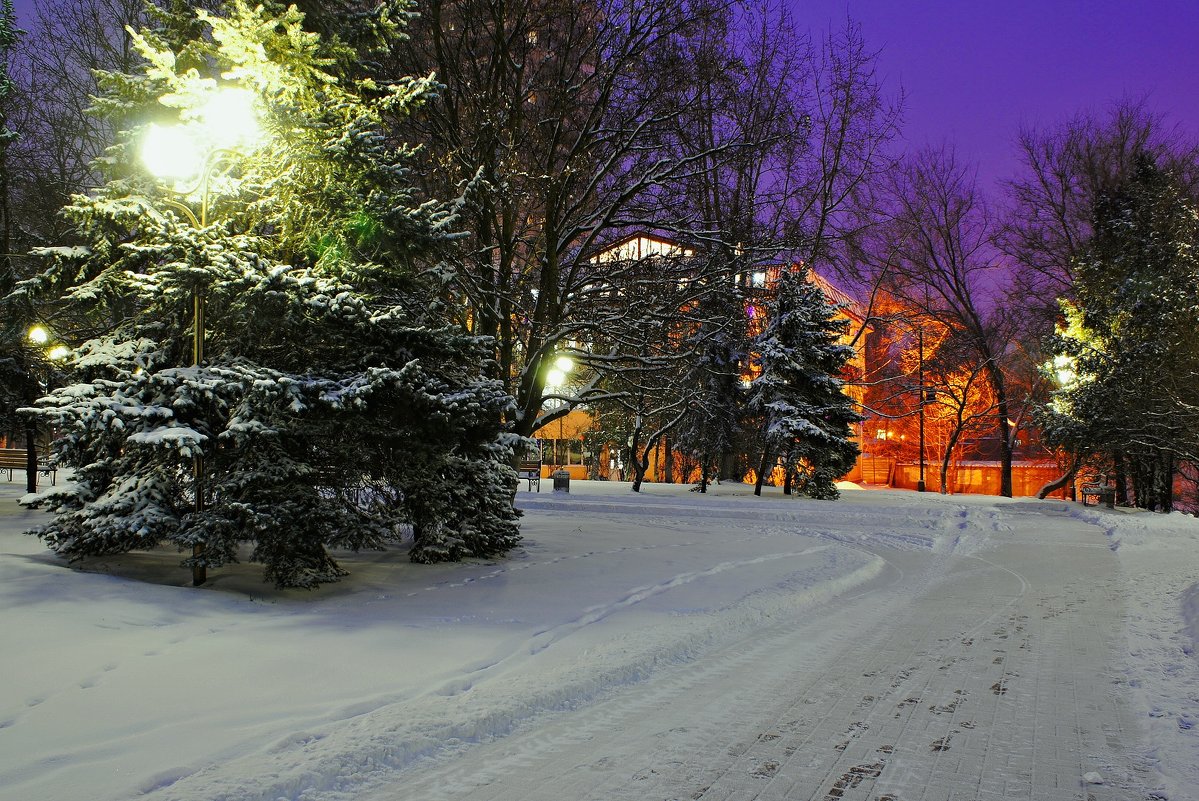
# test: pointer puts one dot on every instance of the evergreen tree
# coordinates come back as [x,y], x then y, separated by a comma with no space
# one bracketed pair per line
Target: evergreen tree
[330,405]
[803,416]
[18,384]
[8,39]
[1126,355]
[711,431]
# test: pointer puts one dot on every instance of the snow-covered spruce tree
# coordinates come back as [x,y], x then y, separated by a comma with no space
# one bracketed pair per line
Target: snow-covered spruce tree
[1127,356]
[796,398]
[711,431]
[332,406]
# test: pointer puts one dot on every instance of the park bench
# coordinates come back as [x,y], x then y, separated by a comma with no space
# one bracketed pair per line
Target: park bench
[18,459]
[529,470]
[1100,492]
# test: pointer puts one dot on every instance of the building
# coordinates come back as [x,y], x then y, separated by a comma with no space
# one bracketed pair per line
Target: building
[566,442]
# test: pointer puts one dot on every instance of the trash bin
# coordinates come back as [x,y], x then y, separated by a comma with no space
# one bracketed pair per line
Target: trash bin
[561,481]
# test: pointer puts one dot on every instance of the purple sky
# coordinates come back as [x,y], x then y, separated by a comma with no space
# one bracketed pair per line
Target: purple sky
[976,70]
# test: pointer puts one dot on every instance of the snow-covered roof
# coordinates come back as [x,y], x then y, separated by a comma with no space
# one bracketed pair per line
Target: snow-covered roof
[642,246]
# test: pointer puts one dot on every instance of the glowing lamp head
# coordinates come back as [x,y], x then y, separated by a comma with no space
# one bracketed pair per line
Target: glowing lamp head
[555,378]
[38,335]
[1063,367]
[564,363]
[230,119]
[59,352]
[169,151]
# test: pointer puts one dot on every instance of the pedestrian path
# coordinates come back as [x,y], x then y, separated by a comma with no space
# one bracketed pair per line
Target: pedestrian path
[974,676]
[997,682]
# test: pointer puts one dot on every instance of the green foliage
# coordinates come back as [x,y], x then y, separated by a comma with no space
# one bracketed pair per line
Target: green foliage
[334,408]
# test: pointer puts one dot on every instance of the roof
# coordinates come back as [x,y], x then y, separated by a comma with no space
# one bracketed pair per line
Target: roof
[838,297]
[642,244]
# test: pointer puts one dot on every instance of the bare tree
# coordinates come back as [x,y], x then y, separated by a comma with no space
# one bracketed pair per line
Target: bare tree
[937,253]
[567,124]
[67,41]
[1066,169]
[963,402]
[796,135]
[549,120]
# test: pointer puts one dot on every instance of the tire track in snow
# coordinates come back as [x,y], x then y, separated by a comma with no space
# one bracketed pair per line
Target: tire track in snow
[509,768]
[335,759]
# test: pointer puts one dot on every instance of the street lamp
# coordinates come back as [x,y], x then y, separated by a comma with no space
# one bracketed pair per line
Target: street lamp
[920,487]
[556,376]
[190,153]
[40,337]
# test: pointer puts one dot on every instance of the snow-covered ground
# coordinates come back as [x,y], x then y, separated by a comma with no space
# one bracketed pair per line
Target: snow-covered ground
[634,646]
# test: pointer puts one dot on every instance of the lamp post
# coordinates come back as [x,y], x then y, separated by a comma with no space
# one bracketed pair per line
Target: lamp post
[191,153]
[555,382]
[920,379]
[39,336]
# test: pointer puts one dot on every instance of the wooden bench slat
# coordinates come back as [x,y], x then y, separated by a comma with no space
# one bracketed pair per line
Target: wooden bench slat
[12,459]
[530,471]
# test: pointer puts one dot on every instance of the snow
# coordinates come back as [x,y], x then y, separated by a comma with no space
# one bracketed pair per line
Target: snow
[121,680]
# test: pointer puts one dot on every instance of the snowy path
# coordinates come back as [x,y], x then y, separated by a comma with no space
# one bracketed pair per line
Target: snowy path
[973,676]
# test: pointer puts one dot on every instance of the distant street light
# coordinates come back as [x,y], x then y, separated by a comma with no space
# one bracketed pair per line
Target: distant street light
[39,336]
[190,153]
[556,376]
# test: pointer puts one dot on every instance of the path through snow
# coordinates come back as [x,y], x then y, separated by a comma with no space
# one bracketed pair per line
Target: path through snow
[964,676]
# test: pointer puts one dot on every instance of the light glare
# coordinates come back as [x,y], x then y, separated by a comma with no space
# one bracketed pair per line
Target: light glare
[168,151]
[230,119]
[39,335]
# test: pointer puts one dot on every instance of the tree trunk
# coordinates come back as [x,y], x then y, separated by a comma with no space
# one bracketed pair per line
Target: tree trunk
[636,463]
[762,472]
[1005,436]
[945,468]
[1166,482]
[30,458]
[1062,481]
[1121,479]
